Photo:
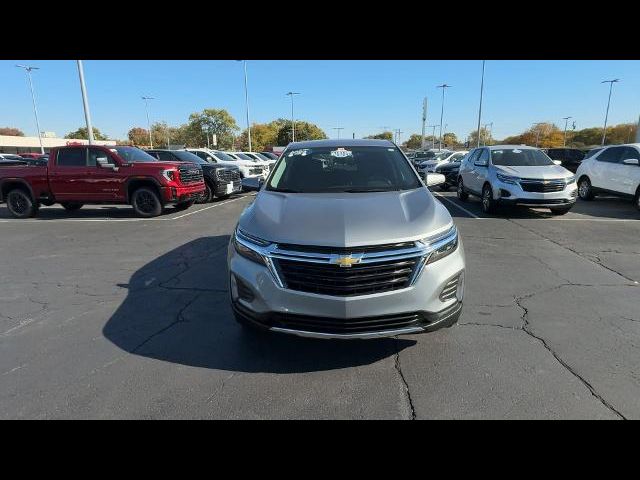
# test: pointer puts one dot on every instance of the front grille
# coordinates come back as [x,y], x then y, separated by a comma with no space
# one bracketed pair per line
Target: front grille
[542,186]
[351,325]
[228,175]
[359,279]
[255,171]
[344,250]
[190,174]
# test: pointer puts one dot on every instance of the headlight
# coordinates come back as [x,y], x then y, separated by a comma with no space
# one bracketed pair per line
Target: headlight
[443,244]
[571,179]
[250,247]
[507,179]
[219,172]
[170,175]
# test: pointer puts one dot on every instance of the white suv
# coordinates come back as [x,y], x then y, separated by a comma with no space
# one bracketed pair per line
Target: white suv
[516,175]
[248,167]
[429,166]
[613,170]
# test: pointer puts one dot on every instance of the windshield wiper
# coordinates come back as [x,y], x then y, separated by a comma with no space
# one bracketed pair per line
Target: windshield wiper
[283,190]
[367,190]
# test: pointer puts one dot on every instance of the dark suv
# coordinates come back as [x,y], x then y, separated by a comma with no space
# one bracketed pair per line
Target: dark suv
[220,181]
[570,157]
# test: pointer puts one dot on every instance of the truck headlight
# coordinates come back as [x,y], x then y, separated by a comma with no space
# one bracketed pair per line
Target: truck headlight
[507,179]
[170,175]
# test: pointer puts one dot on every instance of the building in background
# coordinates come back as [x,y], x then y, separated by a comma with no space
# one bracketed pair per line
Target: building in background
[13,144]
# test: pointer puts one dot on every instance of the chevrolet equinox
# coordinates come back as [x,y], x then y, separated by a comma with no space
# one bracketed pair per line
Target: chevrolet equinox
[344,240]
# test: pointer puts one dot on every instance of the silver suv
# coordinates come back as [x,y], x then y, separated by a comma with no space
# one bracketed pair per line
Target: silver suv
[516,175]
[344,240]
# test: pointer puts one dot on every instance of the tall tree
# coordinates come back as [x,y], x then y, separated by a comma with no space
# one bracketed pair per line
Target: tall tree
[485,137]
[210,121]
[11,132]
[304,131]
[414,141]
[82,133]
[138,136]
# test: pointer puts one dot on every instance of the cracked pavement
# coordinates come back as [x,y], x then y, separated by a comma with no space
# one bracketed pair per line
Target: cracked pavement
[131,320]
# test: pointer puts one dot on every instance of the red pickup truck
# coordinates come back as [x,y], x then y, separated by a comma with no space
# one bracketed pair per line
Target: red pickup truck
[81,174]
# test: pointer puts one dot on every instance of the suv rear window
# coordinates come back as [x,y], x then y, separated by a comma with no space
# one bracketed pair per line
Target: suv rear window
[350,170]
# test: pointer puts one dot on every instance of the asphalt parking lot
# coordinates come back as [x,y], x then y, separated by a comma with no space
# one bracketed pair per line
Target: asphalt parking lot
[103,315]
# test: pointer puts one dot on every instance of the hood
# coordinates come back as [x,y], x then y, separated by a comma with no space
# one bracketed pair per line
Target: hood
[345,219]
[156,165]
[547,172]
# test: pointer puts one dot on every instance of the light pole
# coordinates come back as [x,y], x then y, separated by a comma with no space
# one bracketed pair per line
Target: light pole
[293,122]
[606,116]
[28,69]
[424,120]
[146,102]
[433,135]
[85,103]
[638,131]
[566,121]
[338,129]
[246,100]
[444,86]
[537,132]
[480,108]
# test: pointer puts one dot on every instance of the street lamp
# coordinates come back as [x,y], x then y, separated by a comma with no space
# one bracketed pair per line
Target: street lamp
[480,108]
[606,116]
[433,135]
[338,129]
[293,123]
[28,69]
[246,99]
[146,102]
[444,86]
[85,103]
[566,121]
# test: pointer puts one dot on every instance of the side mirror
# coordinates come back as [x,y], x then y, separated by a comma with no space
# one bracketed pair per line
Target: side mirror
[433,179]
[631,161]
[557,162]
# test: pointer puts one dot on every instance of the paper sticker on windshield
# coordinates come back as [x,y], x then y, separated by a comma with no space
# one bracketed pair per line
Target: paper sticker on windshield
[302,152]
[341,153]
[516,151]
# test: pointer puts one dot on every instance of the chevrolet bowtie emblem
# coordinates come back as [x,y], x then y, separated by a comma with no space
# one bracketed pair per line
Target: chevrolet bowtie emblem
[346,261]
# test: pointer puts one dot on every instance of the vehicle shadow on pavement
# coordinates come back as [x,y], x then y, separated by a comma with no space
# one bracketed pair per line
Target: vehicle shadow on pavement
[100,212]
[177,310]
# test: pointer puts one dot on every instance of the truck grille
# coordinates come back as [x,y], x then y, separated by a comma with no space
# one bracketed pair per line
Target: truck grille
[190,173]
[542,186]
[359,279]
[255,171]
[229,175]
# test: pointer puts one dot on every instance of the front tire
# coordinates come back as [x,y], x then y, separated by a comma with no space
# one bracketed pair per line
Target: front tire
[638,199]
[72,207]
[585,190]
[207,196]
[21,205]
[146,203]
[488,203]
[462,195]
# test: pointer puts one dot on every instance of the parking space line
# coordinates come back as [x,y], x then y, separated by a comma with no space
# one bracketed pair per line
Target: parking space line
[458,206]
[206,208]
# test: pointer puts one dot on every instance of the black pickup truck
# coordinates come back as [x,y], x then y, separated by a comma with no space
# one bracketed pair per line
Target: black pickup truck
[220,180]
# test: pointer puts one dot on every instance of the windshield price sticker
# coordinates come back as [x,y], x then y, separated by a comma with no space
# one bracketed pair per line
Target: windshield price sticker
[296,153]
[341,153]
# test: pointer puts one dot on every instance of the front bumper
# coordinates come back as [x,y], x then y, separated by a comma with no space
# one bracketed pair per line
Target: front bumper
[510,194]
[227,188]
[182,193]
[414,309]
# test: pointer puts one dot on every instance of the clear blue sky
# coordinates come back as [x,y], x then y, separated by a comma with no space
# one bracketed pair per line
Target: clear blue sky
[360,96]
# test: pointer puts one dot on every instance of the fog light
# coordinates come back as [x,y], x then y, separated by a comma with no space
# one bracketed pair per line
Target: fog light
[505,193]
[244,291]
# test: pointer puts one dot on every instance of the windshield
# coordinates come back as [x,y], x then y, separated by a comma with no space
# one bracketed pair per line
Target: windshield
[133,154]
[516,157]
[189,157]
[262,157]
[223,156]
[351,169]
[242,156]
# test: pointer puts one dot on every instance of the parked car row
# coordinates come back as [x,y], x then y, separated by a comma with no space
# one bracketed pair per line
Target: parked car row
[527,176]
